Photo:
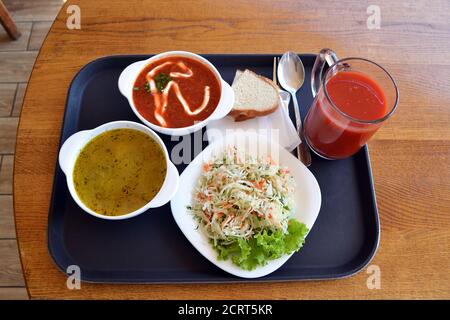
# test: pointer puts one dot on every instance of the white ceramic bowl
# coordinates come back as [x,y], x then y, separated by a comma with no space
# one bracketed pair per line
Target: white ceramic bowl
[128,78]
[75,143]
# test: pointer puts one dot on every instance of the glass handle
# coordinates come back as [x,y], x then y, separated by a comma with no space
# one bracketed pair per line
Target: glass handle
[325,56]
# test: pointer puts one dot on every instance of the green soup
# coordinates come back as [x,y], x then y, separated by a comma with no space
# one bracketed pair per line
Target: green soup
[119,171]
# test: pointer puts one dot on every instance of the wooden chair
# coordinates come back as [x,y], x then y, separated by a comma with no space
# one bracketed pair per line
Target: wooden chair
[8,23]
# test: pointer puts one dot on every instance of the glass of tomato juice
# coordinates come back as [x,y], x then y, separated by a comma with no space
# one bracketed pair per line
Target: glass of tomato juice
[353,98]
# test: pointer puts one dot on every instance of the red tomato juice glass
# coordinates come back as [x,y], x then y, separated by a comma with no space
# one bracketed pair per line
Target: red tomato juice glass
[353,98]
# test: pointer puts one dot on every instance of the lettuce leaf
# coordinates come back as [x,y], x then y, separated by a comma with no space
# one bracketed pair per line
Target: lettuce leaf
[264,246]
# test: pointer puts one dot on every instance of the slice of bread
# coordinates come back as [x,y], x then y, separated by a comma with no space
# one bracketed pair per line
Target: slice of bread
[255,95]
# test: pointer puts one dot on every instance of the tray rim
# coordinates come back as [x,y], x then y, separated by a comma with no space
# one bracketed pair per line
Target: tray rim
[59,265]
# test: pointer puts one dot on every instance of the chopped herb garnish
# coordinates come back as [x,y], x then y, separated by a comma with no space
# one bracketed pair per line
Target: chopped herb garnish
[135,88]
[147,87]
[161,81]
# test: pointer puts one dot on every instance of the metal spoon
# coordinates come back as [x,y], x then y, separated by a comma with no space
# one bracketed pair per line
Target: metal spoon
[291,75]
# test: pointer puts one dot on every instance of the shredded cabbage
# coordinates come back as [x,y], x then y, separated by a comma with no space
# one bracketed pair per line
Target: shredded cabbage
[244,206]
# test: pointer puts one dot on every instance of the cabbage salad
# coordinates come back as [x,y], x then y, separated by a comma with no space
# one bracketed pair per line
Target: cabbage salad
[244,206]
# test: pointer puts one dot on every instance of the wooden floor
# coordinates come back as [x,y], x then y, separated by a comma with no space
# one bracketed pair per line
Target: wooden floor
[33,18]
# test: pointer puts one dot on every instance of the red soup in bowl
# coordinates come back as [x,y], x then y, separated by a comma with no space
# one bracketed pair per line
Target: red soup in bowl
[176,92]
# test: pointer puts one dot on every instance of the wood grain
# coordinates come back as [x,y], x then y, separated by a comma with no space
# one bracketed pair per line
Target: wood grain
[13,293]
[18,101]
[8,128]
[39,31]
[8,23]
[403,189]
[16,66]
[35,10]
[410,155]
[10,269]
[7,230]
[6,174]
[7,92]
[20,44]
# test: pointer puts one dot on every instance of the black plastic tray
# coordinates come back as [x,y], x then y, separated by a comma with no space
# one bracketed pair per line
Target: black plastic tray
[151,249]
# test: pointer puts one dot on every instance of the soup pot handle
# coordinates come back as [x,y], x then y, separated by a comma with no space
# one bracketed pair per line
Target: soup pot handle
[169,187]
[325,56]
[226,102]
[68,149]
[128,76]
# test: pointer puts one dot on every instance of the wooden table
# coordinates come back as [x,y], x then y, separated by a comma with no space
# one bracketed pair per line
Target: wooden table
[410,155]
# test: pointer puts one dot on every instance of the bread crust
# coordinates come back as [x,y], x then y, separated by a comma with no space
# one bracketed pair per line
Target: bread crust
[241,115]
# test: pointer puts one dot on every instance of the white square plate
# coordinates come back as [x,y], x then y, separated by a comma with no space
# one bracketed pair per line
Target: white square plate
[307,197]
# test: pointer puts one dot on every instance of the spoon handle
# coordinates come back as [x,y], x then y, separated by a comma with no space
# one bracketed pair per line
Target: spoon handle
[303,152]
